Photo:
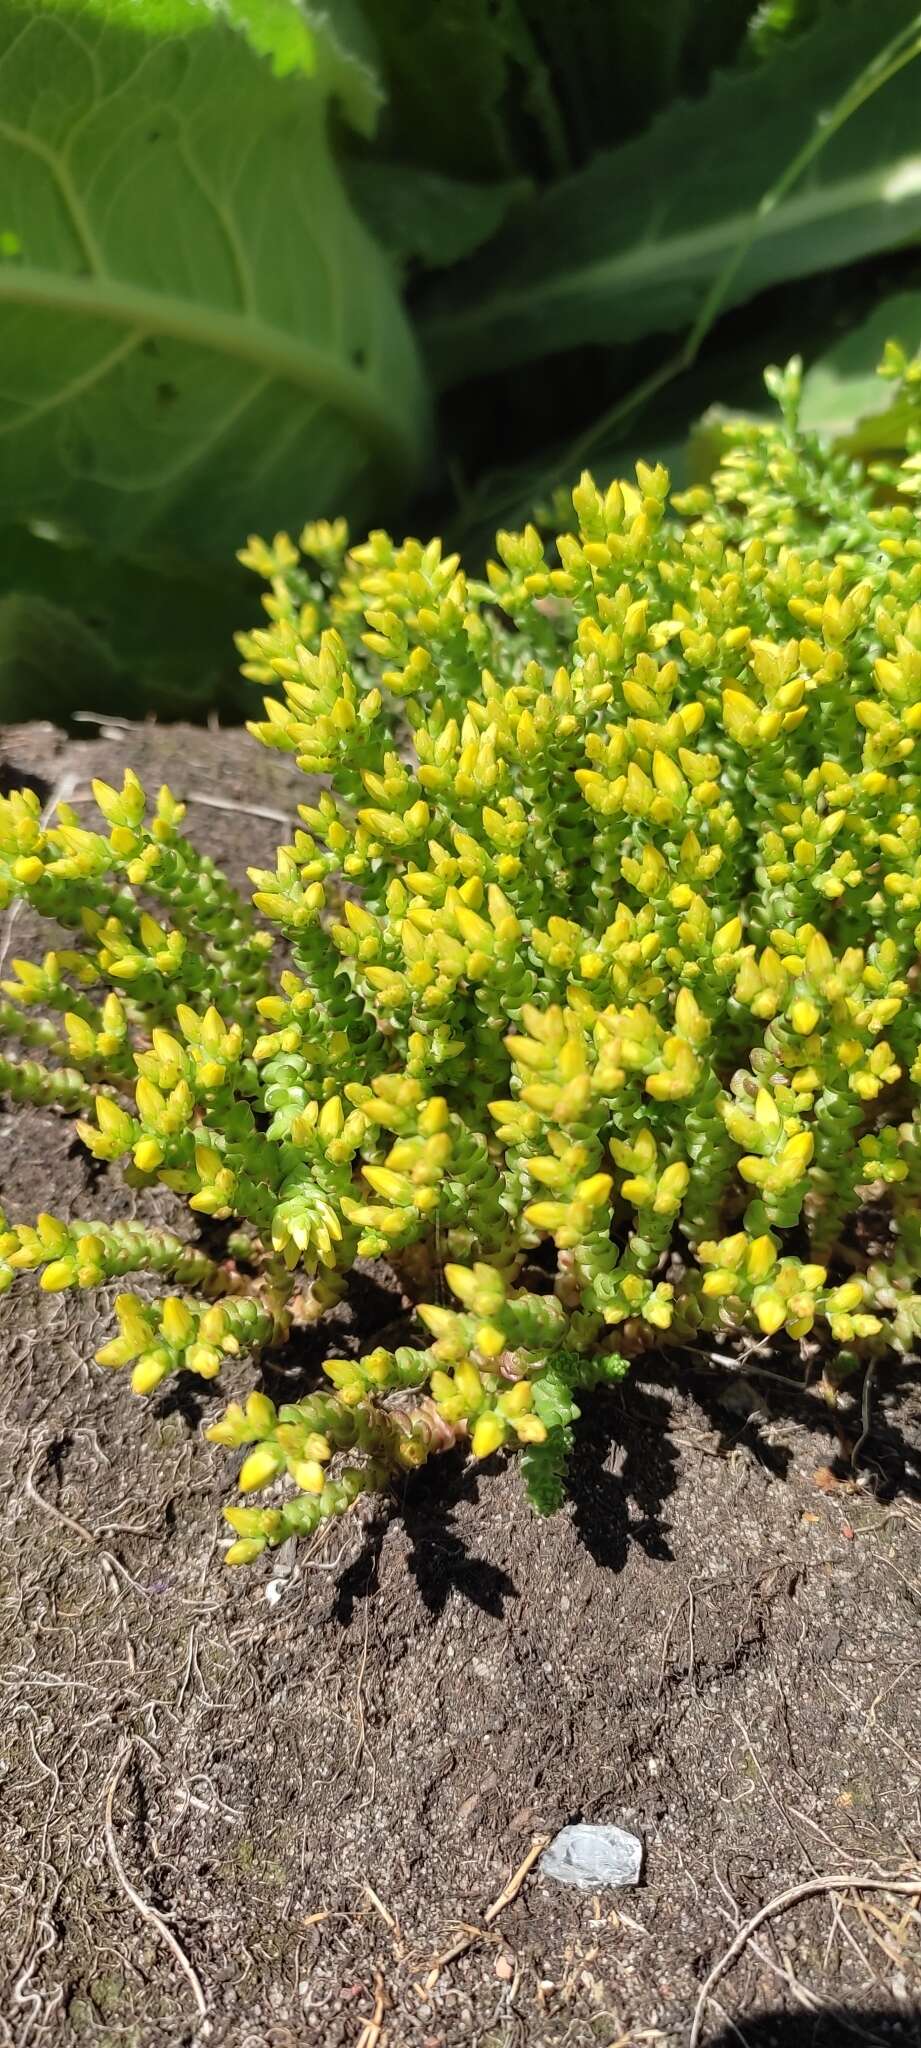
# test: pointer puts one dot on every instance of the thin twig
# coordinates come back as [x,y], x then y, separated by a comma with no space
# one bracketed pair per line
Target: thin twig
[842,1882]
[371,2031]
[109,718]
[892,1955]
[359,1704]
[512,1889]
[147,1912]
[223,803]
[472,1934]
[865,1412]
[666,1639]
[47,1507]
[384,1911]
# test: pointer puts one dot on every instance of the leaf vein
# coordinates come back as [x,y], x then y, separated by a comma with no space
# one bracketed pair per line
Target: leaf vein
[75,385]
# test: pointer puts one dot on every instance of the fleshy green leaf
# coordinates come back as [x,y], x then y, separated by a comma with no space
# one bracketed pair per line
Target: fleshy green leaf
[543,1469]
[553,1401]
[601,1369]
[632,245]
[199,336]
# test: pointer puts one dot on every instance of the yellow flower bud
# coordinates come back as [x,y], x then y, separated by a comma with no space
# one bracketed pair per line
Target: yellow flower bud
[671,1189]
[489,1433]
[441,1321]
[176,1321]
[204,1360]
[767,1114]
[393,1186]
[760,1257]
[245,1550]
[308,1475]
[804,1017]
[546,1215]
[820,959]
[213,1325]
[148,1155]
[260,1411]
[770,1312]
[118,1352]
[530,1430]
[59,1274]
[230,1430]
[550,1172]
[212,1073]
[263,1465]
[848,1297]
[518,1400]
[148,1373]
[718,1283]
[28,869]
[468,1384]
[728,938]
[798,1152]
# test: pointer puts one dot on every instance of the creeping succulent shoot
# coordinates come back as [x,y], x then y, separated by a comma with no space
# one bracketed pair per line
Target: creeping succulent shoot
[594,1005]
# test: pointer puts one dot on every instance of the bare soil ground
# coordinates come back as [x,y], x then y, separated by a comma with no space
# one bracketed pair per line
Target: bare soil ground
[314,1778]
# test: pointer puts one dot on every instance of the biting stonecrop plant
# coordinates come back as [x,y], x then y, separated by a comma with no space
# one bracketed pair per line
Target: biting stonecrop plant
[597,993]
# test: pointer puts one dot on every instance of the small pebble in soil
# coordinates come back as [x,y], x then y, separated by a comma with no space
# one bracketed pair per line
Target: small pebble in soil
[592,1857]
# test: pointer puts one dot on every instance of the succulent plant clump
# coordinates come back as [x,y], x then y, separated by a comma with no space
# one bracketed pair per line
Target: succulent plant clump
[587,993]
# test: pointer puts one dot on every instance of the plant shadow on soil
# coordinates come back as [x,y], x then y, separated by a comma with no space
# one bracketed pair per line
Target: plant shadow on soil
[625,1465]
[624,1468]
[833,2028]
[885,1452]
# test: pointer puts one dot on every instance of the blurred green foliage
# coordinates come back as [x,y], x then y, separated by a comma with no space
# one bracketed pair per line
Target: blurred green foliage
[262,260]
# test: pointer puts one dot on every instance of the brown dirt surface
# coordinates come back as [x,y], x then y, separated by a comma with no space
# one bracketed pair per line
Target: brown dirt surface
[316,1775]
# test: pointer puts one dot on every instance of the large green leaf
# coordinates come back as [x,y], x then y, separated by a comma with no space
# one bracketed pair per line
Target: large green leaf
[843,387]
[614,63]
[632,245]
[423,217]
[330,41]
[778,21]
[468,90]
[82,631]
[843,396]
[495,88]
[197,335]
